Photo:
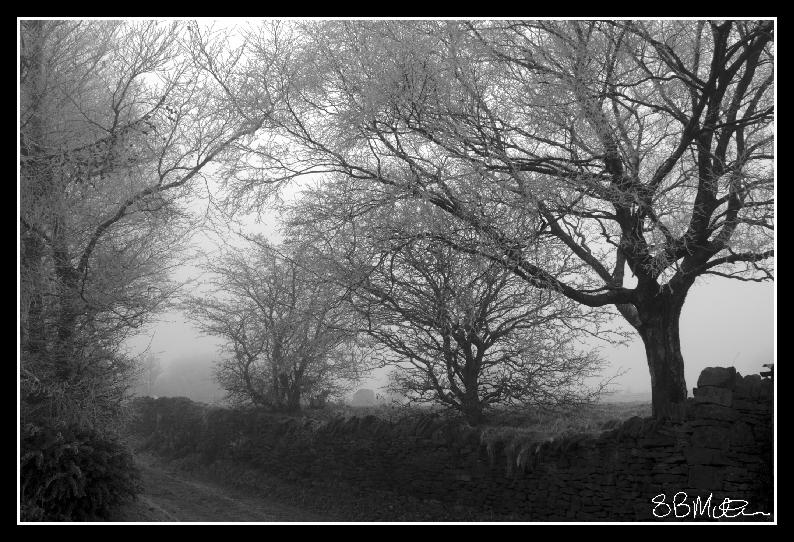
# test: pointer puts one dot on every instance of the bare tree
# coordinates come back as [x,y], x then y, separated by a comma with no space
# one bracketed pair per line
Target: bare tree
[462,331]
[117,124]
[640,146]
[288,335]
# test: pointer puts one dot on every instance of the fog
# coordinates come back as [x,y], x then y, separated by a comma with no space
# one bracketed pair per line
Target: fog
[724,323]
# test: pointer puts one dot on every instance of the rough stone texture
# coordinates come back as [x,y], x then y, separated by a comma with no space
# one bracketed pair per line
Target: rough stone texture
[714,395]
[721,449]
[720,377]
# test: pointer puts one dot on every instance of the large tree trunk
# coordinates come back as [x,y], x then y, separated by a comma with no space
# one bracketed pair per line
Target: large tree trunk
[471,404]
[294,401]
[473,412]
[659,331]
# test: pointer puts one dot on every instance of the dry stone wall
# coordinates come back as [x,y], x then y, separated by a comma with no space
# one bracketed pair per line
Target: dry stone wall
[643,470]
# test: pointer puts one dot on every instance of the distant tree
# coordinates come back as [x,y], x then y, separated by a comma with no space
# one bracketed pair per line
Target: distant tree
[363,397]
[191,376]
[151,369]
[462,331]
[628,145]
[319,399]
[288,335]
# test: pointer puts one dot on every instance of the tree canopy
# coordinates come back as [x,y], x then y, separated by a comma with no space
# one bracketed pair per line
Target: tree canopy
[289,335]
[639,146]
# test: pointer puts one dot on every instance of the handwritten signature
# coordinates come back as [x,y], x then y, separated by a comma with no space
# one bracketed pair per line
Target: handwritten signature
[728,508]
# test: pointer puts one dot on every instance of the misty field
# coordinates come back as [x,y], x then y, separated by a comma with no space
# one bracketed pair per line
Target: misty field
[551,422]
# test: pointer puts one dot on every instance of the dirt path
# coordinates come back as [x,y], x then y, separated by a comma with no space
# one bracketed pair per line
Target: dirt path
[173,496]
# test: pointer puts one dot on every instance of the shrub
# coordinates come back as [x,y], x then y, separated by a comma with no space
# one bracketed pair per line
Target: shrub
[72,474]
[175,426]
